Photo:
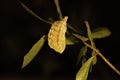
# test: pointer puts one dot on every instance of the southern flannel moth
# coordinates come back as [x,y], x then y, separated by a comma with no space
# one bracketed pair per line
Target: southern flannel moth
[56,35]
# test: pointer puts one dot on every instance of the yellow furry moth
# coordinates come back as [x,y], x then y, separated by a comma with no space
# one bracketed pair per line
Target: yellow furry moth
[56,35]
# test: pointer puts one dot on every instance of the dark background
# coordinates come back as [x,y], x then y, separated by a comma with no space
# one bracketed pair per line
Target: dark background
[19,31]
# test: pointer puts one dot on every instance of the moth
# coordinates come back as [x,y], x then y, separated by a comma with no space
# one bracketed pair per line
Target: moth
[56,35]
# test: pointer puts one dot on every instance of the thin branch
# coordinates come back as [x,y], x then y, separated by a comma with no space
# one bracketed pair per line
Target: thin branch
[58,8]
[100,54]
[32,13]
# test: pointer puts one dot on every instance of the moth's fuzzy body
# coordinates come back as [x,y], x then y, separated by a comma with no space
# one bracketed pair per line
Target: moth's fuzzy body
[56,35]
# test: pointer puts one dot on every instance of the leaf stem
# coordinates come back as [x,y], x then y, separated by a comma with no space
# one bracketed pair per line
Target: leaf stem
[107,61]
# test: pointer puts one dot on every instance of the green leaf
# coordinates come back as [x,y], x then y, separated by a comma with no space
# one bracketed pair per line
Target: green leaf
[101,32]
[70,40]
[97,33]
[95,58]
[82,74]
[33,51]
[82,53]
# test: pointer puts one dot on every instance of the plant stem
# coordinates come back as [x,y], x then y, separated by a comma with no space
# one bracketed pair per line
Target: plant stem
[100,54]
[58,8]
[32,13]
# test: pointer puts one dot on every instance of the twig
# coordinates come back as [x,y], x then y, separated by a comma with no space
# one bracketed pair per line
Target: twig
[58,8]
[100,54]
[32,13]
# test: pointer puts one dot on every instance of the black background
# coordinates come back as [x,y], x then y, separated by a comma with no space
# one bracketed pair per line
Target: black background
[19,31]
